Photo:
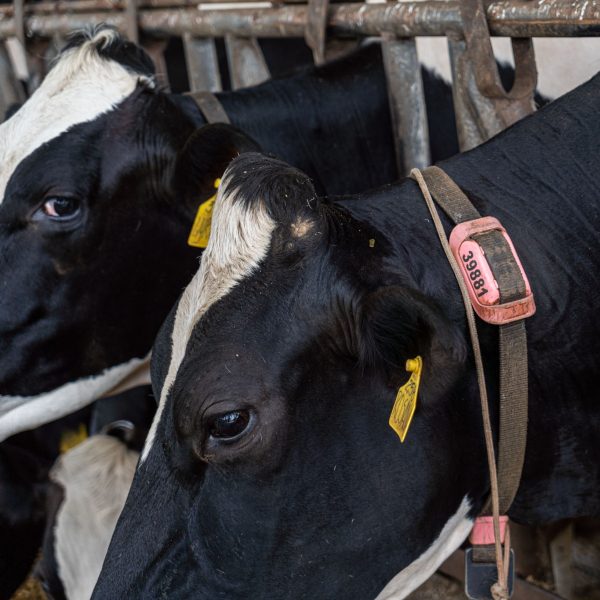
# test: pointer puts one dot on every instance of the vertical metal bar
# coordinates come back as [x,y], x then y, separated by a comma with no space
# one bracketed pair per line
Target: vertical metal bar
[156,50]
[131,17]
[37,65]
[202,64]
[476,117]
[407,103]
[11,91]
[247,65]
[19,20]
[316,28]
[561,555]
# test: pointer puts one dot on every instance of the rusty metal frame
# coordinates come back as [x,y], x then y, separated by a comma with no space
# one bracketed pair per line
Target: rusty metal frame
[247,65]
[482,106]
[407,103]
[202,64]
[509,18]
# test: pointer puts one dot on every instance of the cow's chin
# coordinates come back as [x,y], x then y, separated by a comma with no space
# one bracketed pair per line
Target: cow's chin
[21,413]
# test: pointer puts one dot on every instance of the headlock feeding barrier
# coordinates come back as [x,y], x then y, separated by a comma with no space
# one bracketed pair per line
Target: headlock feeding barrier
[482,106]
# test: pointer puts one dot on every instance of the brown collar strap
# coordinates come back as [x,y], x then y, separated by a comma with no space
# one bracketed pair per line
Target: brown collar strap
[210,107]
[493,283]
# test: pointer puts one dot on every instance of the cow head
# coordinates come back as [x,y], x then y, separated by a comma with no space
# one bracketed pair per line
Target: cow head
[99,183]
[271,470]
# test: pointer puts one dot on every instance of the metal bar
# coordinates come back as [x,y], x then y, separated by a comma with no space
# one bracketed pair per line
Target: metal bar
[18,7]
[131,15]
[202,64]
[155,48]
[10,88]
[77,6]
[315,33]
[476,117]
[407,103]
[247,65]
[511,18]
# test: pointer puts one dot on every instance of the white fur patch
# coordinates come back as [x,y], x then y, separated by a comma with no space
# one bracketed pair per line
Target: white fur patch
[81,86]
[451,537]
[20,413]
[239,240]
[96,476]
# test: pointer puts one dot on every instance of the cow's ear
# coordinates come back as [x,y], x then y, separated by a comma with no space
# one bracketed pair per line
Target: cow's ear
[205,156]
[287,193]
[399,323]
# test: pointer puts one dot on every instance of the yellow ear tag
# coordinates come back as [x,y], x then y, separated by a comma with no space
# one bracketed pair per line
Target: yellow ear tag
[406,399]
[71,438]
[200,231]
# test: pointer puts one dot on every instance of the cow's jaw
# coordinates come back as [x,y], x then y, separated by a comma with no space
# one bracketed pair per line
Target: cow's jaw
[451,537]
[81,86]
[20,413]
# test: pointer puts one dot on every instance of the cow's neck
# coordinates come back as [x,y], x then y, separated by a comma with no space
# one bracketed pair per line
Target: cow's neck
[331,122]
[539,178]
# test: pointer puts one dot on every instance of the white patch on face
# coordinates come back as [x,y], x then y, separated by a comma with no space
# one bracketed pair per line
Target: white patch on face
[239,240]
[96,476]
[20,413]
[451,537]
[81,86]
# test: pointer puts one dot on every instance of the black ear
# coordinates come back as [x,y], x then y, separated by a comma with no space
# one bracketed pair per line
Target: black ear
[399,323]
[287,192]
[205,156]
[111,45]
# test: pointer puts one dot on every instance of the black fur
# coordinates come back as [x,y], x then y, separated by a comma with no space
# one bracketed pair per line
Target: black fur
[318,498]
[126,53]
[89,294]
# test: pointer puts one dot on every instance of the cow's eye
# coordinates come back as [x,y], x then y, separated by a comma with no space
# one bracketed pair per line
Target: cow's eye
[229,425]
[61,208]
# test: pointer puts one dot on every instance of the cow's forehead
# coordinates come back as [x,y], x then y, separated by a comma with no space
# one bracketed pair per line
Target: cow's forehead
[82,85]
[240,238]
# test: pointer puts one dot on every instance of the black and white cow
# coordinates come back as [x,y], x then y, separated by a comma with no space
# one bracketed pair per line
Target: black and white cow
[89,487]
[25,461]
[101,178]
[271,471]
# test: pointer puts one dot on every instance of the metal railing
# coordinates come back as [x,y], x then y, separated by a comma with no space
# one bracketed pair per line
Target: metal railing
[482,106]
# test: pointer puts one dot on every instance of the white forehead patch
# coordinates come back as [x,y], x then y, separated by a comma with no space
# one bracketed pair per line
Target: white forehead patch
[81,86]
[239,239]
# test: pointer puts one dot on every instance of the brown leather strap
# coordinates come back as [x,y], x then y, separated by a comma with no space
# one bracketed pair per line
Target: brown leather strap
[210,107]
[513,339]
[514,384]
[487,428]
[449,196]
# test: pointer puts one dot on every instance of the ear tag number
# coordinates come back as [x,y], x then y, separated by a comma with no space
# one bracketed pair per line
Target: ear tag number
[406,399]
[200,231]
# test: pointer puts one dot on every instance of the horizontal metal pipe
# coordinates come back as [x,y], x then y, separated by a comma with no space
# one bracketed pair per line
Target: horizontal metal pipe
[514,18]
[50,7]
